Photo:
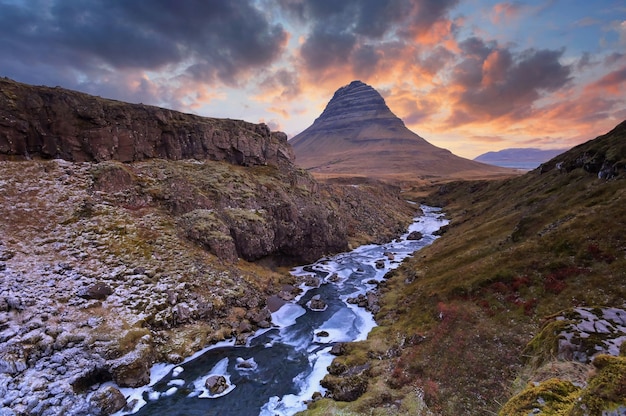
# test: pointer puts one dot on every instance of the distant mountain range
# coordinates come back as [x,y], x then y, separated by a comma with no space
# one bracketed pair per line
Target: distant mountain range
[519,158]
[358,135]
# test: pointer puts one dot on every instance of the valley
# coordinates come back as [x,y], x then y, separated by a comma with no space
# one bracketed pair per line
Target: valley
[132,235]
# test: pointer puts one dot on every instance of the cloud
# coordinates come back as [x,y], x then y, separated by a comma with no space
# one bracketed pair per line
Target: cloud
[614,82]
[282,83]
[494,82]
[357,33]
[503,13]
[324,49]
[614,58]
[209,41]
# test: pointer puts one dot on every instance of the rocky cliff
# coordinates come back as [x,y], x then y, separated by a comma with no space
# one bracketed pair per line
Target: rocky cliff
[55,123]
[358,135]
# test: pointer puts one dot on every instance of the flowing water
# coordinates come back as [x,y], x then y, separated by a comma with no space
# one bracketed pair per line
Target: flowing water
[280,368]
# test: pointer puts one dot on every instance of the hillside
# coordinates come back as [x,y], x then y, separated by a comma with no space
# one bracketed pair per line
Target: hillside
[113,257]
[518,306]
[358,135]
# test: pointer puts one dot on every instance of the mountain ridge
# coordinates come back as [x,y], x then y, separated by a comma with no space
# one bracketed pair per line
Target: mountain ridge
[519,157]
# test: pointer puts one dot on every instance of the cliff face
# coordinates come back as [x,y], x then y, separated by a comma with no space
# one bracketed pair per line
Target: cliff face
[54,123]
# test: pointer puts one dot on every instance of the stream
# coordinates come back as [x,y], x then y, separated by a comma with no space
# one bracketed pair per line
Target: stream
[280,368]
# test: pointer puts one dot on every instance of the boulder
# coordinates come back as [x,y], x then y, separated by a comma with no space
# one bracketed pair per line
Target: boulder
[317,304]
[133,369]
[107,400]
[216,384]
[98,291]
[415,235]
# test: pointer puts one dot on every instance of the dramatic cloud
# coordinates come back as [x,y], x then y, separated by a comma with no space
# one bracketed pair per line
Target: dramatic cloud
[494,82]
[355,31]
[207,40]
[456,71]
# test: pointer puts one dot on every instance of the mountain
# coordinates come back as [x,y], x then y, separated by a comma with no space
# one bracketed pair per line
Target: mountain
[517,309]
[358,135]
[519,158]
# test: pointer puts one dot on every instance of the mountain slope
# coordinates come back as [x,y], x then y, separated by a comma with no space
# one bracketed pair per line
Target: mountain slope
[522,296]
[358,135]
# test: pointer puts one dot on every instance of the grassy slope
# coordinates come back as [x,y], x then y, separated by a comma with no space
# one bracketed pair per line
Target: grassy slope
[456,318]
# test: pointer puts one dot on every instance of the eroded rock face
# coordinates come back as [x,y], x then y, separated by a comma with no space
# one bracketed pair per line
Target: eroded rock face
[63,124]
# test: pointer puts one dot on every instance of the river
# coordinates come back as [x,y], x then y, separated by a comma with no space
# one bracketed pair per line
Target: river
[280,368]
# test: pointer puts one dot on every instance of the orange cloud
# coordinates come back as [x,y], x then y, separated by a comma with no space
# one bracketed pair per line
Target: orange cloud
[503,13]
[612,83]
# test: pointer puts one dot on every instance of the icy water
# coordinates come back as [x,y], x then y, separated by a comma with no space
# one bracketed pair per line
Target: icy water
[280,368]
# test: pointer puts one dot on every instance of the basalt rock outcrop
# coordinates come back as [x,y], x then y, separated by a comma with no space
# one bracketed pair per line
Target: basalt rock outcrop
[358,135]
[55,123]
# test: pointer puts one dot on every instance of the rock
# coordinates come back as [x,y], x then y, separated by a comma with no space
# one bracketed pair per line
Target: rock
[390,256]
[107,400]
[317,304]
[322,334]
[380,264]
[98,291]
[415,235]
[334,278]
[442,230]
[262,316]
[133,369]
[182,313]
[289,293]
[311,281]
[6,255]
[338,349]
[345,388]
[246,365]
[216,384]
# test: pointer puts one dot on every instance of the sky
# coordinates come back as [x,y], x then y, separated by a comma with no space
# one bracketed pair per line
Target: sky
[470,76]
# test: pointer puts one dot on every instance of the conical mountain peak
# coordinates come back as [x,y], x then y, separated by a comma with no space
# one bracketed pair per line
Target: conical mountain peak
[358,135]
[355,102]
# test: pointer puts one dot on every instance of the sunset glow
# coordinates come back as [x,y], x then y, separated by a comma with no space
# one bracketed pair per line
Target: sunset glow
[467,75]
